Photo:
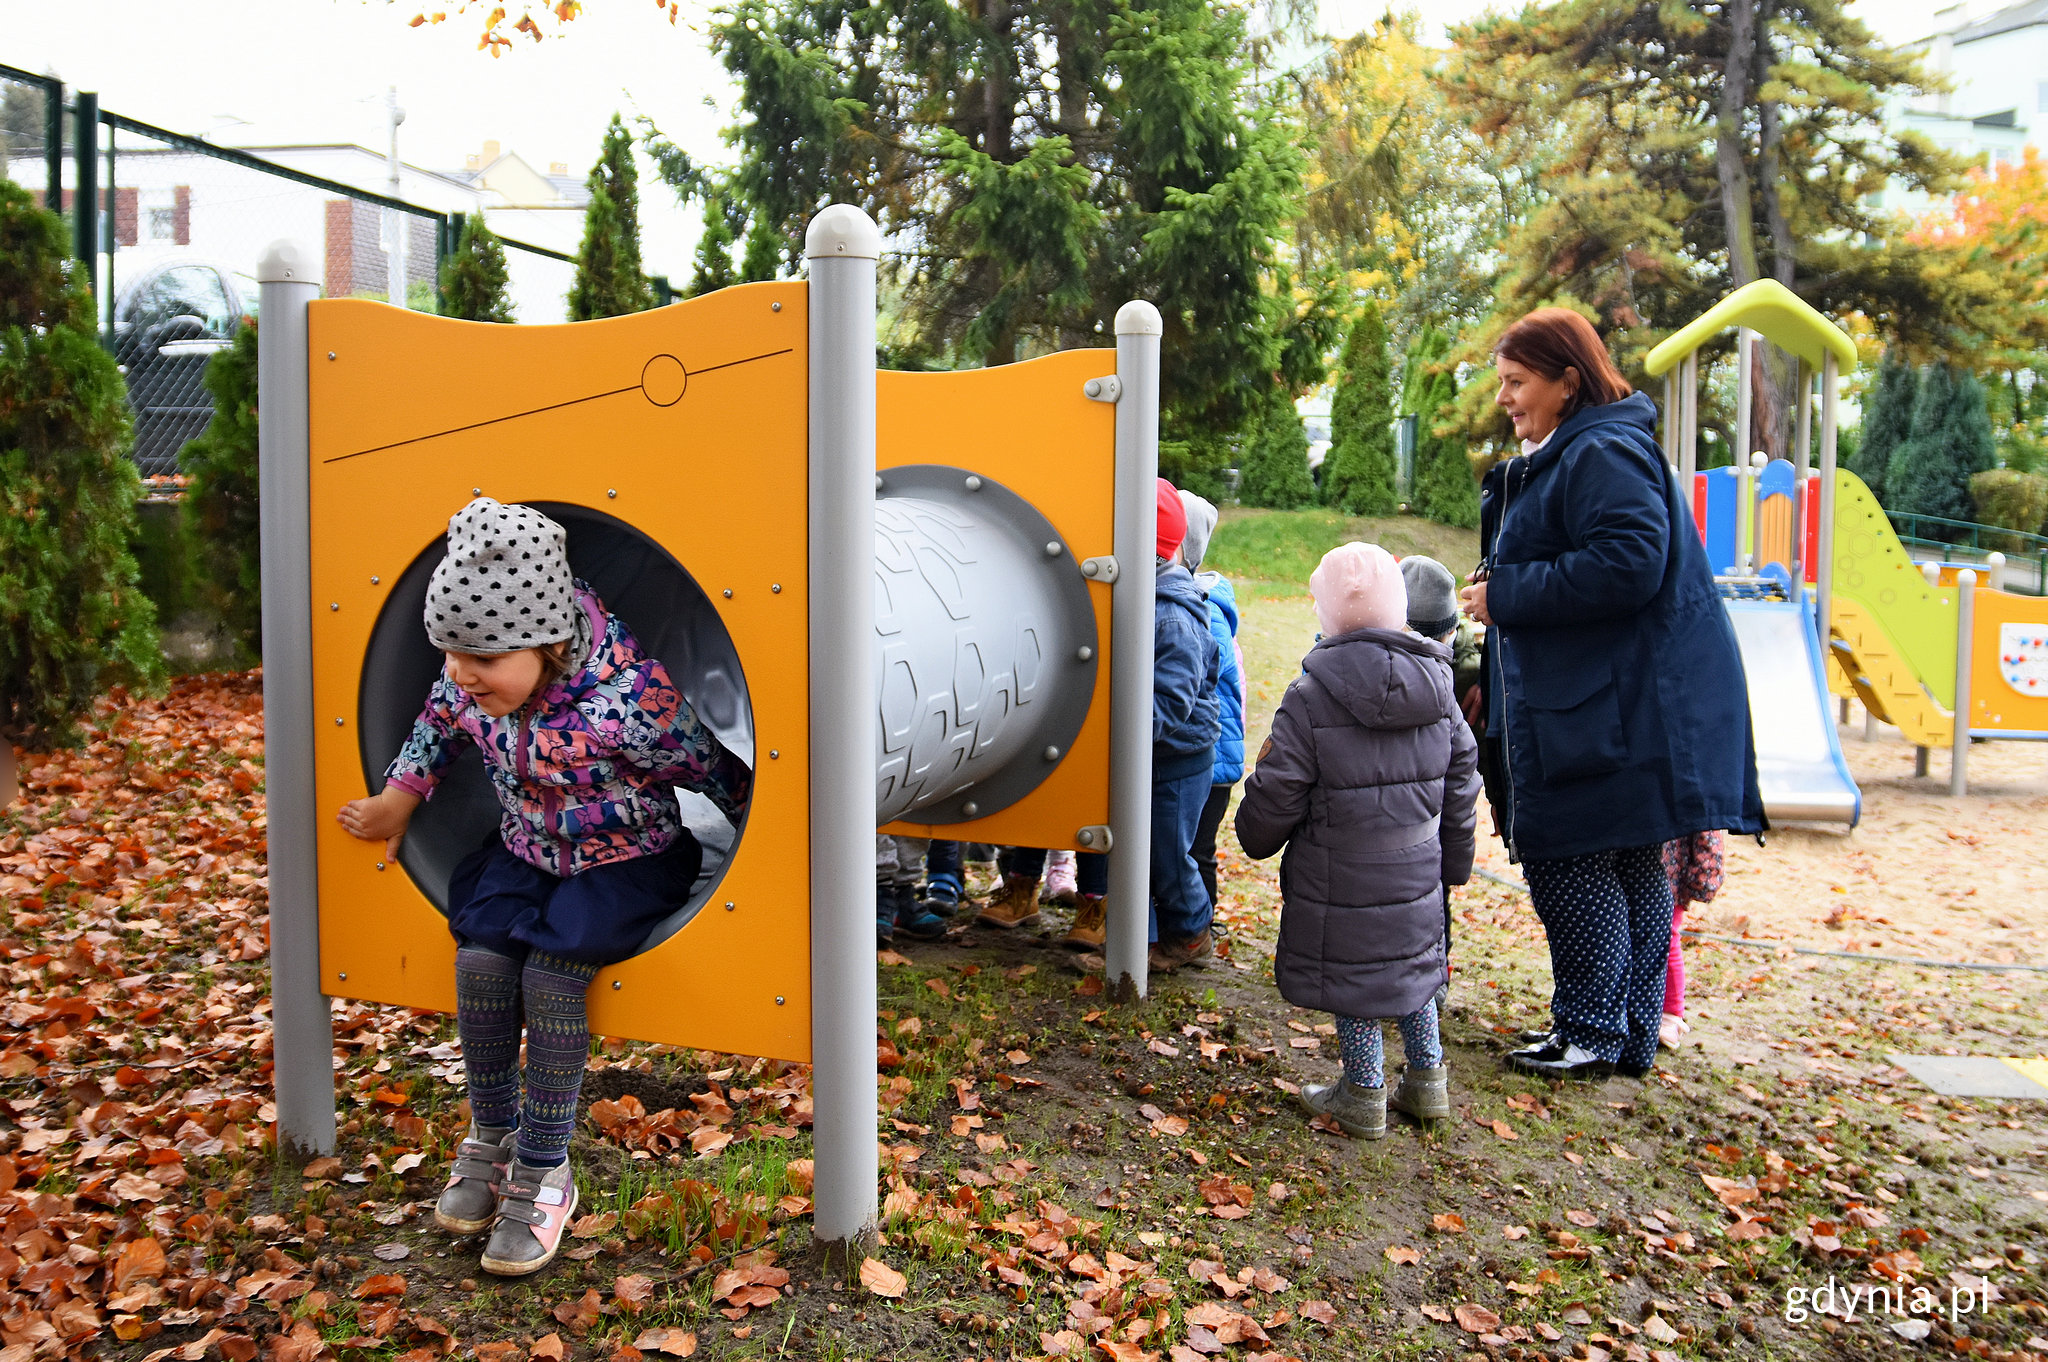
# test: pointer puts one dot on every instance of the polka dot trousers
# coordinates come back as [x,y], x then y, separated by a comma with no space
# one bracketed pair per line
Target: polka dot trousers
[1363,1050]
[1608,917]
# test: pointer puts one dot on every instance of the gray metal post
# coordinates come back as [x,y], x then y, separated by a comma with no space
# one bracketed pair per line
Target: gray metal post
[1745,345]
[842,247]
[303,1033]
[1673,419]
[1824,542]
[1130,669]
[1966,620]
[1802,463]
[1689,437]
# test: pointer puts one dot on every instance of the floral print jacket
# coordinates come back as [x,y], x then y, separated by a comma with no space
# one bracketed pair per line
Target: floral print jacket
[587,771]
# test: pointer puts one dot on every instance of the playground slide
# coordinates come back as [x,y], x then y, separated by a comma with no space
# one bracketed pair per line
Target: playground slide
[1894,635]
[1798,755]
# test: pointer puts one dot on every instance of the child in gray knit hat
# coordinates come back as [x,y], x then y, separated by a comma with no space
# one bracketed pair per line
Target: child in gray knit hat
[586,740]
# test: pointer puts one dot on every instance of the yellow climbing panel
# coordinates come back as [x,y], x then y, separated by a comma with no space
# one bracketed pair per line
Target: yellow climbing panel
[1883,679]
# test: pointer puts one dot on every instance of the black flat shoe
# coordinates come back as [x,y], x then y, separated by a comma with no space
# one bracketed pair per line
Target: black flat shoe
[1634,1070]
[1550,1061]
[1533,1037]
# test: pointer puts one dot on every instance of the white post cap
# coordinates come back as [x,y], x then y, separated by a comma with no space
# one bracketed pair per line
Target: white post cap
[842,231]
[1138,318]
[286,261]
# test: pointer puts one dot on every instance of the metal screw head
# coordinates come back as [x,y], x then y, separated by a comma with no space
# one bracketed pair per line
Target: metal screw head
[775,307]
[341,974]
[375,581]
[878,482]
[1052,550]
[611,492]
[476,491]
[778,1000]
[380,865]
[973,483]
[334,605]
[1084,652]
[1052,754]
[338,722]
[1086,838]
[1093,387]
[775,587]
[728,593]
[330,354]
[728,907]
[618,984]
[970,808]
[774,753]
[1089,568]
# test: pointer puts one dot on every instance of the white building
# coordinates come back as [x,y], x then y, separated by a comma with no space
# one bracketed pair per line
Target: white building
[1994,57]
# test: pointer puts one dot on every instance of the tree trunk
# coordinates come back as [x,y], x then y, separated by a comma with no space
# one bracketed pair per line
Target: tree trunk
[1731,163]
[10,780]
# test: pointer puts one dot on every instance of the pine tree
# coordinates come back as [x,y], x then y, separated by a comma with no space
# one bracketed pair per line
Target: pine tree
[474,279]
[1887,421]
[73,621]
[1274,469]
[608,280]
[1359,471]
[1445,490]
[1951,440]
[221,509]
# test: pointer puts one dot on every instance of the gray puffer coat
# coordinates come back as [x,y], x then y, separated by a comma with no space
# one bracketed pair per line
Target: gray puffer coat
[1369,780]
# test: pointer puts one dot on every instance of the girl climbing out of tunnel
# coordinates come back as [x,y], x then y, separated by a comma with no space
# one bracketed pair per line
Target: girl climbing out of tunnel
[585,739]
[1369,780]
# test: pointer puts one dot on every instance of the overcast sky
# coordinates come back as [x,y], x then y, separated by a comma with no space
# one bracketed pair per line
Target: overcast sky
[256,71]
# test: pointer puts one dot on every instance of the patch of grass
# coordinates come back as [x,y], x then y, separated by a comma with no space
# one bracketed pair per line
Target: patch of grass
[1273,552]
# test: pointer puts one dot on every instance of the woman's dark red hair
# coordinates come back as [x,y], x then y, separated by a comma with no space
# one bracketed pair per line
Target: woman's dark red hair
[1553,339]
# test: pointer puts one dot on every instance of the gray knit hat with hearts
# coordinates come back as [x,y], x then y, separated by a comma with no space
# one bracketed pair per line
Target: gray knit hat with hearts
[505,584]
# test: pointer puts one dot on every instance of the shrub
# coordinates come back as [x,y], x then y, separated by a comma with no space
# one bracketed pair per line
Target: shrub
[2011,500]
[1358,472]
[222,513]
[1274,472]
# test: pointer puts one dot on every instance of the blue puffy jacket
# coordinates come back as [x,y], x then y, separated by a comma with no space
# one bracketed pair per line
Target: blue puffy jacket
[1184,669]
[1229,678]
[1620,690]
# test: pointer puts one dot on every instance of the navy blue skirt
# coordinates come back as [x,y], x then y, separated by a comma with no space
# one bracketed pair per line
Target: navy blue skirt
[600,916]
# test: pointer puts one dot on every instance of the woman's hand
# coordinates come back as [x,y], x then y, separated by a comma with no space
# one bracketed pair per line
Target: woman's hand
[1474,599]
[384,815]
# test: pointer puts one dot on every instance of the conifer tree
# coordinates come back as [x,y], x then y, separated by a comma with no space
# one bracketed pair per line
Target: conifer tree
[1359,471]
[608,280]
[1887,421]
[1951,441]
[1274,469]
[474,279]
[1445,490]
[221,509]
[73,620]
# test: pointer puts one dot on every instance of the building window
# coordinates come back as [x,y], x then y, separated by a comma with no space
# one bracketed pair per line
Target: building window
[163,224]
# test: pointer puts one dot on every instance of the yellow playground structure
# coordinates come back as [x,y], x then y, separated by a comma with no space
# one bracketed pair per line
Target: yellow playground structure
[1916,643]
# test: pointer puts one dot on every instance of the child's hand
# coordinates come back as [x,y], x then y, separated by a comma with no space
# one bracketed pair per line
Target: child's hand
[383,815]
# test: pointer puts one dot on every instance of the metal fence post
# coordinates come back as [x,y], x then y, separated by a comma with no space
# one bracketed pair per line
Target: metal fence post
[1966,621]
[842,247]
[53,147]
[1130,667]
[85,194]
[303,1033]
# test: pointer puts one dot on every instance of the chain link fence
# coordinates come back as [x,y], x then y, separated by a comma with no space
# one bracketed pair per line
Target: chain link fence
[181,223]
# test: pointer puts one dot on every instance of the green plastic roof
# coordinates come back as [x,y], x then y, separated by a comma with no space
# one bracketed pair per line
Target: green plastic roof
[1770,309]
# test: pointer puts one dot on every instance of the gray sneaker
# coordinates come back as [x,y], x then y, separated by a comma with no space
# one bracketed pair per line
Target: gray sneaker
[534,1208]
[1359,1112]
[1424,1094]
[469,1202]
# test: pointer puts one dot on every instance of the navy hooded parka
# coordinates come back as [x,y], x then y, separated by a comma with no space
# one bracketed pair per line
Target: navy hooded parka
[1619,689]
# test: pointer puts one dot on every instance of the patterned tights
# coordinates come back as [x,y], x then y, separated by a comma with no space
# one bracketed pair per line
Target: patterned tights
[1364,1053]
[493,994]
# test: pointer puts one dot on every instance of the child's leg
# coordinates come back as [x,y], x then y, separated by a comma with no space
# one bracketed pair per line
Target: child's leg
[1204,849]
[487,1014]
[1180,902]
[1364,1054]
[557,1048]
[1420,1039]
[1674,968]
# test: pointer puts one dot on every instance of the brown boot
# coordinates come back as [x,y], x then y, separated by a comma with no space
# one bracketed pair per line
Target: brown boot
[1196,951]
[1089,921]
[1014,905]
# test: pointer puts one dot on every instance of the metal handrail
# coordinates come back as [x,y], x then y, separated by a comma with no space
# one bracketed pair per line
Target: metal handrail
[1908,521]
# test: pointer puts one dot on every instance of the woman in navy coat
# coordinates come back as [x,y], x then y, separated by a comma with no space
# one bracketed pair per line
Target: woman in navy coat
[1616,692]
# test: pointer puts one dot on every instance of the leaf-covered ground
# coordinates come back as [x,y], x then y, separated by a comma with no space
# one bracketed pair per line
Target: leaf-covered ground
[1064,1178]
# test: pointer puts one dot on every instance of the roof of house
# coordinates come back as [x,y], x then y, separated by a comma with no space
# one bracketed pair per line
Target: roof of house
[2025,15]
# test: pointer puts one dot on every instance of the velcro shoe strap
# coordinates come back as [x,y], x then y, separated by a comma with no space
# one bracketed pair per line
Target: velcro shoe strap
[480,1169]
[522,1210]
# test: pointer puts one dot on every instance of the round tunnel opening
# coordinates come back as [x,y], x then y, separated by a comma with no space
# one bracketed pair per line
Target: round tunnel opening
[637,580]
